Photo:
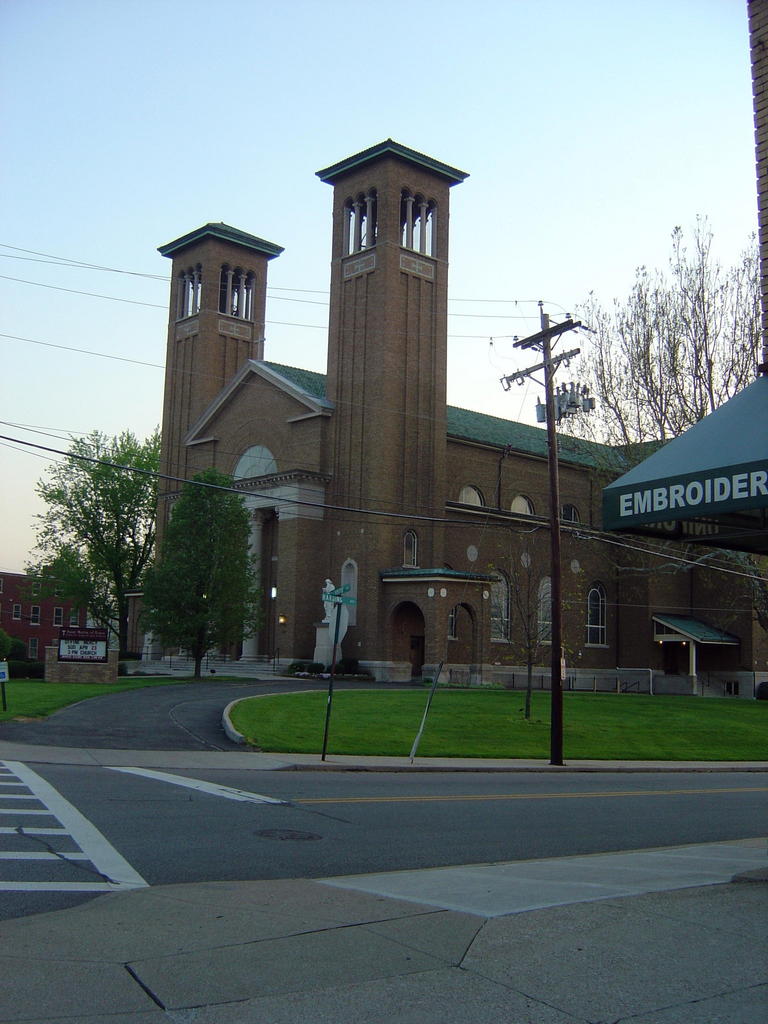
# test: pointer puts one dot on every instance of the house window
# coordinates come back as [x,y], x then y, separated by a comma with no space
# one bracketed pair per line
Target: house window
[570,514]
[410,549]
[74,616]
[34,615]
[17,612]
[470,495]
[58,616]
[545,610]
[32,648]
[1,584]
[596,632]
[522,506]
[35,589]
[500,608]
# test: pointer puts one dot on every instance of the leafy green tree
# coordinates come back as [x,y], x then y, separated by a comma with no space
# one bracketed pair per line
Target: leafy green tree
[97,535]
[6,642]
[202,593]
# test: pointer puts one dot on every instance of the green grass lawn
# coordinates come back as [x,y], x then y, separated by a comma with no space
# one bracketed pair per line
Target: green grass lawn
[490,723]
[34,698]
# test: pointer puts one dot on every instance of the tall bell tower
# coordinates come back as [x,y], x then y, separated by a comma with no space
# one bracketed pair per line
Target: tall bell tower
[216,323]
[388,329]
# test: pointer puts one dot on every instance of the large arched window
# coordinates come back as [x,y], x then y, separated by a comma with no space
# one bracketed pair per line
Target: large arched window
[255,461]
[470,495]
[545,610]
[500,608]
[596,603]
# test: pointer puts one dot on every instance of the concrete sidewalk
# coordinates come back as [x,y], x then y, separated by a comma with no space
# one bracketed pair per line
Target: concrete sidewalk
[658,937]
[255,761]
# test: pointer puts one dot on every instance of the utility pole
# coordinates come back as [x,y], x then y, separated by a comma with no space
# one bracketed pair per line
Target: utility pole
[571,402]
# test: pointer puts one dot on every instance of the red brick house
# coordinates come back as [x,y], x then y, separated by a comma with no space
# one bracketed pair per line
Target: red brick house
[27,615]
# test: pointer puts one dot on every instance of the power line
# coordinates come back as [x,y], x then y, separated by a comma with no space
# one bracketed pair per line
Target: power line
[579,532]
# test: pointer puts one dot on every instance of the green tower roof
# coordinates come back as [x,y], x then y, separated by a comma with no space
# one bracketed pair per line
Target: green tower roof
[226,234]
[391,148]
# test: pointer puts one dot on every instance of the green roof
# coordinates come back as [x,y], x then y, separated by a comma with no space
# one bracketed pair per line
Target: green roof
[481,428]
[226,234]
[695,629]
[309,381]
[391,148]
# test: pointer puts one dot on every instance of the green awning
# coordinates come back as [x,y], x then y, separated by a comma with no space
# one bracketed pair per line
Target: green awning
[681,627]
[708,486]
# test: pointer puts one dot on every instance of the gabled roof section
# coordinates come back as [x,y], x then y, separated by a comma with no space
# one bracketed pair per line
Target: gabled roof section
[306,380]
[479,427]
[291,382]
[391,148]
[225,233]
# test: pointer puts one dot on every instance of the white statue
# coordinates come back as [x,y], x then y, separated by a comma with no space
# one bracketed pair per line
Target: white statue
[328,605]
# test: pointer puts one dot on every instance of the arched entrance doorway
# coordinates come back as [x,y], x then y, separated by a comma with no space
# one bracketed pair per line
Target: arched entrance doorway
[408,636]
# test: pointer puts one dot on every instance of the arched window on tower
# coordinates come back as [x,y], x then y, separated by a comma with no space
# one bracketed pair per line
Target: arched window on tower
[410,549]
[360,222]
[596,604]
[418,223]
[349,578]
[190,288]
[236,292]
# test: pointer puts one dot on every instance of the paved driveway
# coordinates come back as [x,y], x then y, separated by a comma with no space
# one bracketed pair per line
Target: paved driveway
[186,716]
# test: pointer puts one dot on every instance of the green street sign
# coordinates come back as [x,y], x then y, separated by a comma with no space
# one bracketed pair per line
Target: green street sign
[334,598]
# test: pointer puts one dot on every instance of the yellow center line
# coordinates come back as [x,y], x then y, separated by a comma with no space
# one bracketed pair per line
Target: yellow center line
[442,797]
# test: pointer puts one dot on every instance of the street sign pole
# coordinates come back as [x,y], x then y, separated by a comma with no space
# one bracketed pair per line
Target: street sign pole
[330,681]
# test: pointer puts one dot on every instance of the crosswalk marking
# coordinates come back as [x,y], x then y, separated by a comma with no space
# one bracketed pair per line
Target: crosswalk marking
[212,788]
[112,872]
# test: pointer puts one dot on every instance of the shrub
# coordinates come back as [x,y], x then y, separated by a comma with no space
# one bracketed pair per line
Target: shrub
[18,651]
[762,691]
[26,669]
[348,666]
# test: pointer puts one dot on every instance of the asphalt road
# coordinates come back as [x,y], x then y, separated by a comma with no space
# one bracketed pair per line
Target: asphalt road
[201,823]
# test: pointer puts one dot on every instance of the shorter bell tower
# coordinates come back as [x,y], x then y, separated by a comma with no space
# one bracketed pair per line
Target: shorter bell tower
[215,324]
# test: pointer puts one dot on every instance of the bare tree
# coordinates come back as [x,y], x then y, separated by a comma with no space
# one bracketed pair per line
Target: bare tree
[683,342]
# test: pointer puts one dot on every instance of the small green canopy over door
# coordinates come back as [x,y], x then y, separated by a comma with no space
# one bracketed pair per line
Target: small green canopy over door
[708,486]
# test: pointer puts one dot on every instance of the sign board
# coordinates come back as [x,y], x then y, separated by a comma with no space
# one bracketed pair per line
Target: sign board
[89,645]
[4,672]
[339,599]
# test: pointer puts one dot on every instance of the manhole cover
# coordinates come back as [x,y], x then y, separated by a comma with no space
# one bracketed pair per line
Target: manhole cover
[286,834]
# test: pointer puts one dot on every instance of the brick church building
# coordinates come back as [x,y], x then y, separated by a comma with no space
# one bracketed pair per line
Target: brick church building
[434,517]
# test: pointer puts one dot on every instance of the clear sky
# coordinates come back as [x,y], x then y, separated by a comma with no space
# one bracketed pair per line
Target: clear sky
[589,130]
